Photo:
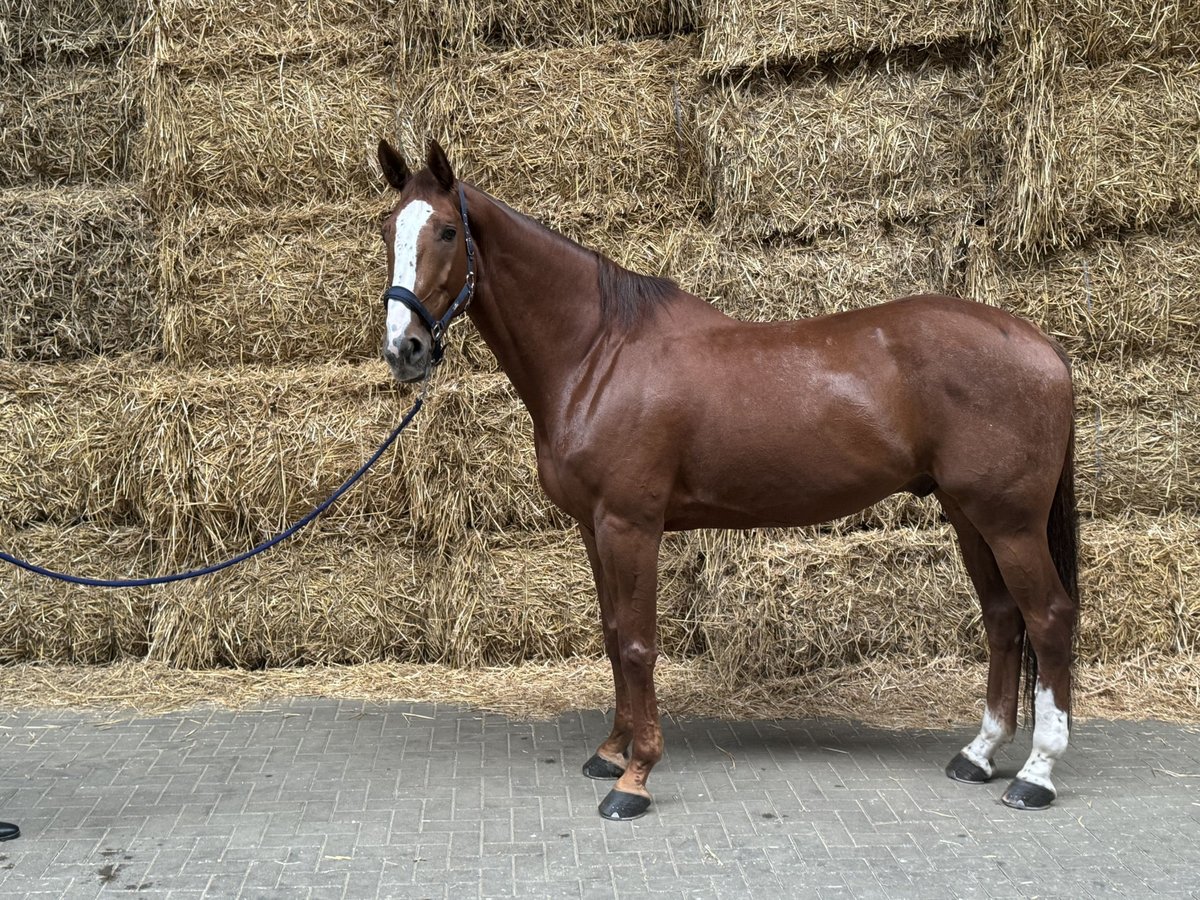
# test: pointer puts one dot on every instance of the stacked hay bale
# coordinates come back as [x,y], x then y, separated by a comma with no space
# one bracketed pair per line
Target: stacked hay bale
[209,229]
[76,261]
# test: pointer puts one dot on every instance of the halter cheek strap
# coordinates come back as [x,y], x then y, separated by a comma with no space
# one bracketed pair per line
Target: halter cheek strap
[437,327]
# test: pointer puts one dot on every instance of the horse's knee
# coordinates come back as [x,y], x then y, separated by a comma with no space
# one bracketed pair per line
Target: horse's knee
[638,658]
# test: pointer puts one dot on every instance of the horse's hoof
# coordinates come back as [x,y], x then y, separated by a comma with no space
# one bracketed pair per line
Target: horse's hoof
[623,806]
[1027,795]
[600,768]
[962,769]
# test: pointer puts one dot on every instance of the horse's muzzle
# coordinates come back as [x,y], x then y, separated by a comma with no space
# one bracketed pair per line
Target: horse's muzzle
[408,357]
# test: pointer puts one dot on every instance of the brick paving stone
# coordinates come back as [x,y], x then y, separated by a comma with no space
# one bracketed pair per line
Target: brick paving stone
[343,799]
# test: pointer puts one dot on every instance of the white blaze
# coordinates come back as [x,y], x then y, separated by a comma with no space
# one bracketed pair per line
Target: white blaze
[404,263]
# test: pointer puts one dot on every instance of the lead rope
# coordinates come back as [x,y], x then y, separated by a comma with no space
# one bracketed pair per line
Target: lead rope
[254,551]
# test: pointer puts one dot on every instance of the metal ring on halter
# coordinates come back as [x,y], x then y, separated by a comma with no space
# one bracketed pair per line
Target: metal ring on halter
[437,327]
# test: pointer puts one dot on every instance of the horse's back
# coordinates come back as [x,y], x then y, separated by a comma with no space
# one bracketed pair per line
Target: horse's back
[817,418]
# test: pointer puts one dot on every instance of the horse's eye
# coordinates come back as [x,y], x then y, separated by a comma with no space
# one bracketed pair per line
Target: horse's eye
[448,233]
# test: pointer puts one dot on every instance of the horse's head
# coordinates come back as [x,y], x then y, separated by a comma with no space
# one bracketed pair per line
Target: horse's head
[431,274]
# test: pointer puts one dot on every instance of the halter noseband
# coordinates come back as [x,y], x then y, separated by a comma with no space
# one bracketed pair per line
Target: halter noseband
[437,327]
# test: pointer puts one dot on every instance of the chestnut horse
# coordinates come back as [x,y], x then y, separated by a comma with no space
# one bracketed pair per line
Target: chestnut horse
[653,411]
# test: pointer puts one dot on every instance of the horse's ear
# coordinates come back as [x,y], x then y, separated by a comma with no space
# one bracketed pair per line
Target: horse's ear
[439,165]
[395,169]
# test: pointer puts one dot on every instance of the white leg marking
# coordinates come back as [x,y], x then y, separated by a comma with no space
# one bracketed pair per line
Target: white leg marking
[991,735]
[404,263]
[1049,739]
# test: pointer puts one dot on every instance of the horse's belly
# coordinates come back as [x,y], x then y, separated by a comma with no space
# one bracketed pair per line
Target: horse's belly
[801,487]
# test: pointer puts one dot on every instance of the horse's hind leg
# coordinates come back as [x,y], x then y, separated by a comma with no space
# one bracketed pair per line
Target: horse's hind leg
[609,759]
[1049,612]
[1005,632]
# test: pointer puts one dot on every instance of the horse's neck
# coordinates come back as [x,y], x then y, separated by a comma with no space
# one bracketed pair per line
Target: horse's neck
[537,303]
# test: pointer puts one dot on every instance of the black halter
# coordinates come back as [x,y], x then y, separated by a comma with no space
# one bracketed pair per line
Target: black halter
[437,327]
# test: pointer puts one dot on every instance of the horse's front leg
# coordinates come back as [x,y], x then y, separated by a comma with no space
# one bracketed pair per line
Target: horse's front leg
[609,759]
[628,558]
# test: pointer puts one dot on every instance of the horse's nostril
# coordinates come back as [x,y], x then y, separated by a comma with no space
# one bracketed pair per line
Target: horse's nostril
[413,348]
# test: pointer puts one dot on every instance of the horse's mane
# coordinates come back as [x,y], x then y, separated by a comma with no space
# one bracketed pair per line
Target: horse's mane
[626,297]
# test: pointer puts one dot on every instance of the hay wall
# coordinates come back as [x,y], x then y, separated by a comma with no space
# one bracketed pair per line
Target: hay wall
[327,597]
[209,230]
[77,258]
[767,605]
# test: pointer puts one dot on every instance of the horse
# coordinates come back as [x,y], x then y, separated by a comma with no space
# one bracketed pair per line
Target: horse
[653,411]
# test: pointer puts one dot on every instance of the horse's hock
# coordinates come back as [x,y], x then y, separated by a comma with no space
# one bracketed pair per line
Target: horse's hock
[188,344]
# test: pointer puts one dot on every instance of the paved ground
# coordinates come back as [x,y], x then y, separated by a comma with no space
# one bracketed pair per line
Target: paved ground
[316,798]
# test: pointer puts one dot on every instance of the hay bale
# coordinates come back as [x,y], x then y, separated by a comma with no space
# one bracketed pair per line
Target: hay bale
[205,460]
[788,279]
[79,267]
[1136,436]
[1141,583]
[45,29]
[579,138]
[515,597]
[232,130]
[418,30]
[433,29]
[324,599]
[1094,150]
[748,34]
[284,284]
[70,120]
[1104,31]
[196,31]
[320,599]
[49,621]
[66,437]
[301,282]
[219,460]
[293,283]
[1111,298]
[838,271]
[213,461]
[835,149]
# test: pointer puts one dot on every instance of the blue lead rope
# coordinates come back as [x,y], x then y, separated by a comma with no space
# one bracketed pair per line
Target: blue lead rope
[241,557]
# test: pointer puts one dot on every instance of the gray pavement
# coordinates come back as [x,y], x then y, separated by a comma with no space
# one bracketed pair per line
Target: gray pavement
[327,798]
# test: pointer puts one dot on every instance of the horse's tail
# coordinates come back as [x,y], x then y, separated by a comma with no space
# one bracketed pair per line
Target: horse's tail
[1062,534]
